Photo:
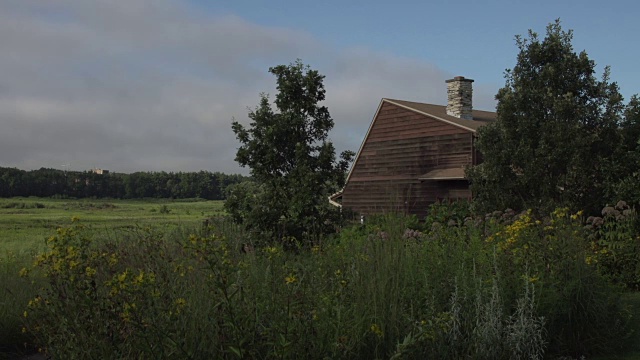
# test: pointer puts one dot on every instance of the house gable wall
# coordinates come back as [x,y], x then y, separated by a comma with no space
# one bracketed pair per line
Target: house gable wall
[400,146]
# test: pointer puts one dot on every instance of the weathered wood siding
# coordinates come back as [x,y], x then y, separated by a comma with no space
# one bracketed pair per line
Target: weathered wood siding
[401,146]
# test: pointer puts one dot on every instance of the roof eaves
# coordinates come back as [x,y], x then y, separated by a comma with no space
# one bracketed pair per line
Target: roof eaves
[334,197]
[454,173]
[442,178]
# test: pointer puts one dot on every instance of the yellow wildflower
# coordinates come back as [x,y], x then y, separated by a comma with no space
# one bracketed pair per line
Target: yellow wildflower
[376,330]
[90,271]
[290,279]
[139,279]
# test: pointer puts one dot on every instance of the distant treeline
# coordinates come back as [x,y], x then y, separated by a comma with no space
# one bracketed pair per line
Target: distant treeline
[54,183]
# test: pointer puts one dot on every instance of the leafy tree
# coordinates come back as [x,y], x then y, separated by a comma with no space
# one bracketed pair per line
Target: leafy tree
[556,133]
[625,176]
[292,162]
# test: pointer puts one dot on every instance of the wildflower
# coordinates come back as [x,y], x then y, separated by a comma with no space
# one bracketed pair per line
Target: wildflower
[139,279]
[560,212]
[290,279]
[608,210]
[122,277]
[376,330]
[126,316]
[90,271]
[75,219]
[271,250]
[576,215]
[621,205]
[23,272]
[180,303]
[25,314]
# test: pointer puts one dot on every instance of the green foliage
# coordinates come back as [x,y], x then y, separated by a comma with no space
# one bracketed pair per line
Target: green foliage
[14,294]
[615,244]
[76,184]
[292,161]
[625,175]
[23,205]
[448,212]
[530,289]
[556,133]
[582,309]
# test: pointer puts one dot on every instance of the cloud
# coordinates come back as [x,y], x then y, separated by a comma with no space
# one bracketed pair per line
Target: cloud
[154,84]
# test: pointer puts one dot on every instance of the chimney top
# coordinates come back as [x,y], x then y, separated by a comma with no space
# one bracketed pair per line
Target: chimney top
[458,78]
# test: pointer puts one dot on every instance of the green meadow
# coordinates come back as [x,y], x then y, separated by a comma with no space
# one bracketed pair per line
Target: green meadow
[26,222]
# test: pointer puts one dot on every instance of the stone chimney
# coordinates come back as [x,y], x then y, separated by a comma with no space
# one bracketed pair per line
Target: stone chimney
[459,94]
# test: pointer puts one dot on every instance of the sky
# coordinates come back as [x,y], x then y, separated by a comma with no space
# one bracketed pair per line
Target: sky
[153,85]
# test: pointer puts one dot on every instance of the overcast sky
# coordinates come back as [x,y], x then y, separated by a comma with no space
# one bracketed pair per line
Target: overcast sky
[153,85]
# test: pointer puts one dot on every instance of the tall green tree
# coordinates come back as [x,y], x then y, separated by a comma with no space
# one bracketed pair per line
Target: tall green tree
[292,161]
[625,176]
[557,129]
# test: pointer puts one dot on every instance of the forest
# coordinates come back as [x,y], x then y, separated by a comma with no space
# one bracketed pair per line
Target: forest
[47,182]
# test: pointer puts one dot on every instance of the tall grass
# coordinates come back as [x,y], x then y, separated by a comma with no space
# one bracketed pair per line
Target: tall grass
[14,294]
[372,292]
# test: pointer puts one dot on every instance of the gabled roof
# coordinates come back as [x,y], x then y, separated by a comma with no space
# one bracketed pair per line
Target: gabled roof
[439,112]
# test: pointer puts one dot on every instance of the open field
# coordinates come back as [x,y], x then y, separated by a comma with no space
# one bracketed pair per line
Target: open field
[26,222]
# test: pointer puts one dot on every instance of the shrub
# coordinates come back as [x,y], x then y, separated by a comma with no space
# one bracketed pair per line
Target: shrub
[582,309]
[615,244]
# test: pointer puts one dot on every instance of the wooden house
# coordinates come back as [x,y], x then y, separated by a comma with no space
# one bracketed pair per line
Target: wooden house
[415,154]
